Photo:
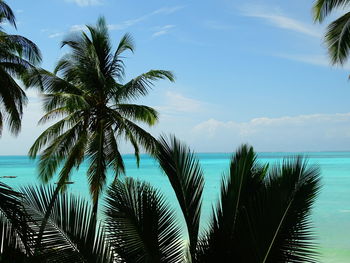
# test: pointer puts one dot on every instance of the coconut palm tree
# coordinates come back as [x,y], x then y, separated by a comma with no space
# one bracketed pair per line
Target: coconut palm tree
[86,91]
[263,215]
[17,55]
[338,32]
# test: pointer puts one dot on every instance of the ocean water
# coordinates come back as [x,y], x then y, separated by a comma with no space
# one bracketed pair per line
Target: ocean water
[331,213]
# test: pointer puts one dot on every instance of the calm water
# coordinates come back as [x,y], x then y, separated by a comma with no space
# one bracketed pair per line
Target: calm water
[331,214]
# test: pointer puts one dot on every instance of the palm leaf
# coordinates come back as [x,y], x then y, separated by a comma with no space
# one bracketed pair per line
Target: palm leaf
[337,39]
[138,113]
[245,177]
[280,214]
[186,177]
[141,85]
[322,8]
[15,233]
[141,227]
[7,13]
[71,233]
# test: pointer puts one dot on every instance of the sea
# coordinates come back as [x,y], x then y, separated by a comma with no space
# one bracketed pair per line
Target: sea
[330,214]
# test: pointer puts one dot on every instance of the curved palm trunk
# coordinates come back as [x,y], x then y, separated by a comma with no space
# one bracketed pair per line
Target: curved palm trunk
[95,208]
[46,217]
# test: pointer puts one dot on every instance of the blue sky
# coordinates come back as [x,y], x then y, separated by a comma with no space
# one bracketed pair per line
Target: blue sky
[247,71]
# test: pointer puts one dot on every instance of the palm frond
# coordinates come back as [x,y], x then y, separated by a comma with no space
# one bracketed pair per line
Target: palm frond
[337,39]
[141,85]
[126,43]
[11,249]
[138,113]
[186,178]
[322,8]
[12,99]
[7,13]
[244,179]
[24,47]
[280,213]
[72,233]
[141,226]
[16,234]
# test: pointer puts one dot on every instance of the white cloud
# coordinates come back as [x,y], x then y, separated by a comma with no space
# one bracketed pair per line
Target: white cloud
[125,24]
[318,60]
[19,11]
[167,10]
[175,103]
[75,28]
[54,35]
[162,30]
[131,22]
[85,2]
[314,132]
[278,19]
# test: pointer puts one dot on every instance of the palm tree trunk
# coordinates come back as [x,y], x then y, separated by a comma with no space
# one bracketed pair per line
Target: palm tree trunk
[46,217]
[95,208]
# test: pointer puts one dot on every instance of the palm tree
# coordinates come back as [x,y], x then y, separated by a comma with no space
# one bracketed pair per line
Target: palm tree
[263,215]
[338,32]
[17,55]
[86,93]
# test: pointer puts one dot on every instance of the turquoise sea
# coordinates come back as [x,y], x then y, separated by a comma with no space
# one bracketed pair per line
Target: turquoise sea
[331,214]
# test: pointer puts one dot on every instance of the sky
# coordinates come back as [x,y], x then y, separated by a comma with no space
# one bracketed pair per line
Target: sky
[246,71]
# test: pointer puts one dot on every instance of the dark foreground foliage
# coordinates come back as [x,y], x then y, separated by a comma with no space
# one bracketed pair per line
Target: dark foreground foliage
[262,215]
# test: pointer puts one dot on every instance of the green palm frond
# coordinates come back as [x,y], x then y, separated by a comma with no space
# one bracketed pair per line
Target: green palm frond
[126,43]
[280,213]
[141,226]
[338,32]
[12,100]
[49,82]
[264,215]
[186,178]
[72,233]
[22,46]
[244,178]
[11,249]
[141,85]
[7,13]
[15,233]
[17,55]
[322,8]
[337,39]
[138,113]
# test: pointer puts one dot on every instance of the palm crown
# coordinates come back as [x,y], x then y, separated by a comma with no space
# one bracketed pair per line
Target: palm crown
[17,55]
[85,91]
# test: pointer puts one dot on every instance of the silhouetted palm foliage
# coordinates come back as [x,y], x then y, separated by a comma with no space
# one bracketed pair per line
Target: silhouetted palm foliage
[141,226]
[15,234]
[263,215]
[17,55]
[338,32]
[72,233]
[86,92]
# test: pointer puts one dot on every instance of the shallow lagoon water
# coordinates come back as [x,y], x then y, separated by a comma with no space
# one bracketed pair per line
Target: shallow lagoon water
[331,213]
